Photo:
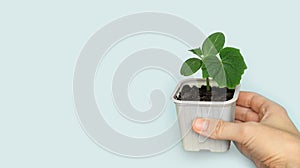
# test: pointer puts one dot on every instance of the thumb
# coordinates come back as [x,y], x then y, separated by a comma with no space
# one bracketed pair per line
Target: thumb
[219,129]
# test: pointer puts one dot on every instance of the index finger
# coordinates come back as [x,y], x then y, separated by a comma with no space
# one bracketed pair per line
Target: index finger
[254,101]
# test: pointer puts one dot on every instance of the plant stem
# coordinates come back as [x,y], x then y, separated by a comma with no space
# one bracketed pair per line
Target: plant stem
[207,85]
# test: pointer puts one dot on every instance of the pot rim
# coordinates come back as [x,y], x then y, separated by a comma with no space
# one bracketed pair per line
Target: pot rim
[234,99]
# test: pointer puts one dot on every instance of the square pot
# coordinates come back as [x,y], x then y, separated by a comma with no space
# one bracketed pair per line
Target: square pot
[187,111]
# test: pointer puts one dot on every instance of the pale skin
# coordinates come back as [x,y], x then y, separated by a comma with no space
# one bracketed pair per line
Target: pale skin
[262,131]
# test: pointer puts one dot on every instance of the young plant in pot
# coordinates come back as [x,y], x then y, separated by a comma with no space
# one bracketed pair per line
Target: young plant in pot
[212,96]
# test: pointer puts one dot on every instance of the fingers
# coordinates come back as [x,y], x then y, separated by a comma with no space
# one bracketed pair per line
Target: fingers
[268,112]
[245,114]
[254,101]
[218,129]
[260,105]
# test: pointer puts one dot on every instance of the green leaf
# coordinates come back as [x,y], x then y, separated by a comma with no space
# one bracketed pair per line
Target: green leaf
[196,51]
[213,44]
[190,66]
[228,71]
[215,69]
[234,66]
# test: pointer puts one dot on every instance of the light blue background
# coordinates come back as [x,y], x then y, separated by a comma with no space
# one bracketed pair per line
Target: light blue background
[40,42]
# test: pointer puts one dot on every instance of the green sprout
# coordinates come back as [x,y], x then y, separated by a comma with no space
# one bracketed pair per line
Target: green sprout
[224,65]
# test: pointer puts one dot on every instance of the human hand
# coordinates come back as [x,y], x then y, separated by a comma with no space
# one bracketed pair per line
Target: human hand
[262,131]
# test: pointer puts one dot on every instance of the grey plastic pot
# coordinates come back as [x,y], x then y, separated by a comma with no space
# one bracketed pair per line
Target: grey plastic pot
[187,111]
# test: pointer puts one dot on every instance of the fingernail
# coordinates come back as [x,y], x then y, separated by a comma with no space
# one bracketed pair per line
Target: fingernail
[200,125]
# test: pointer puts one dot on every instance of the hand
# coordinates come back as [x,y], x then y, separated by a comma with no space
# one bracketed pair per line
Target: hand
[262,131]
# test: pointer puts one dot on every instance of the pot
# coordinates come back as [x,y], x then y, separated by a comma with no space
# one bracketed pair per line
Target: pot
[187,111]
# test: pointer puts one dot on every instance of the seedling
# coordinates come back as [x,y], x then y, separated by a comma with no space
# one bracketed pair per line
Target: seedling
[222,69]
[224,65]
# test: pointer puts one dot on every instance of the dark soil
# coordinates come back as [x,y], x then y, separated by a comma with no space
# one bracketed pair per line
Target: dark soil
[200,94]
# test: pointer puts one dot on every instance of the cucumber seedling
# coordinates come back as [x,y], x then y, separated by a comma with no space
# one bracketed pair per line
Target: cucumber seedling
[225,65]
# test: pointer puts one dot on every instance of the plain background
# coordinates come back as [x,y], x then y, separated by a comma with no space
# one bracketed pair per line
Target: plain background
[40,42]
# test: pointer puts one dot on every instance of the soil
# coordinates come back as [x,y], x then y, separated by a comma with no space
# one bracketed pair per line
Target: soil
[194,93]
